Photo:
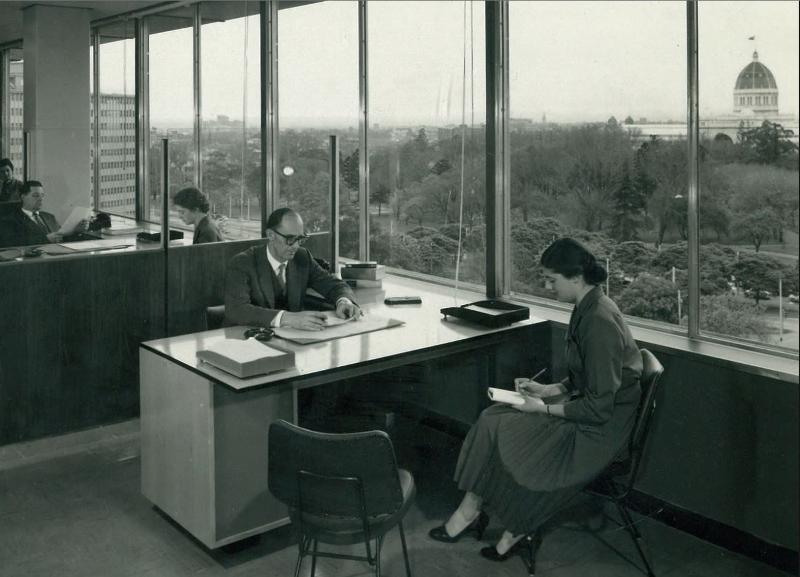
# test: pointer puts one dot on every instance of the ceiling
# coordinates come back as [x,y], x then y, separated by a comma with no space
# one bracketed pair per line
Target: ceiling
[11,13]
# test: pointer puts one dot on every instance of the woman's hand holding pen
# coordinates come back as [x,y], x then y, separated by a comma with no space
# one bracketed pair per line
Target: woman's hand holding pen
[530,387]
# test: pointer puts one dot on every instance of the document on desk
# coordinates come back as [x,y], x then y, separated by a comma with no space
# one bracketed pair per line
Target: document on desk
[78,214]
[92,245]
[337,328]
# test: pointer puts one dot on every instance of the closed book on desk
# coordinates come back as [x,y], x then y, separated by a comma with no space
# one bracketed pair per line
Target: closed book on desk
[363,273]
[246,358]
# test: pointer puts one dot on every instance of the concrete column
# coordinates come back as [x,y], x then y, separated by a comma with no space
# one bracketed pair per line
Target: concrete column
[56,107]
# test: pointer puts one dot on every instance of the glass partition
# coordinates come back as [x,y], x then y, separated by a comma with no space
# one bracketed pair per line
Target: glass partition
[748,76]
[230,136]
[598,146]
[318,79]
[427,137]
[171,97]
[116,149]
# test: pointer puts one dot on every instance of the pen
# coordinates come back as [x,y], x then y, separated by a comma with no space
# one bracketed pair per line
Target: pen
[539,374]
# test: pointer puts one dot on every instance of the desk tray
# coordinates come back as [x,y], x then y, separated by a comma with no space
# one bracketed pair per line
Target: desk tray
[489,313]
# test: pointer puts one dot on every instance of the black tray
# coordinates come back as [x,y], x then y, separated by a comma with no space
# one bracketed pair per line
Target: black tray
[489,313]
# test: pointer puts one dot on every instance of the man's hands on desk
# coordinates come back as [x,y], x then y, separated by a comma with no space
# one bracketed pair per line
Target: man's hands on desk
[316,320]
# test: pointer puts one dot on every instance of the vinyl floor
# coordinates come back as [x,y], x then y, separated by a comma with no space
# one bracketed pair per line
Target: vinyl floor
[71,506]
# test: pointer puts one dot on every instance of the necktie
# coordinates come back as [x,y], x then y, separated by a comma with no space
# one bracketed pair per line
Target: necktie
[282,278]
[40,222]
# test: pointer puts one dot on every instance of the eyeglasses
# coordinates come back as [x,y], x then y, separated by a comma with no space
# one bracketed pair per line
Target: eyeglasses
[259,334]
[291,239]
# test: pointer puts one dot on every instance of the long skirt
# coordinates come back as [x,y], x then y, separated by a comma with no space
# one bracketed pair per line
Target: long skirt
[526,466]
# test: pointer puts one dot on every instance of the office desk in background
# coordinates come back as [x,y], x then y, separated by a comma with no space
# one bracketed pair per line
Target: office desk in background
[204,432]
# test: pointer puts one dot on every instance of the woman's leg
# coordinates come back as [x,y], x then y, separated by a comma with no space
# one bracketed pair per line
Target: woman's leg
[467,512]
[507,541]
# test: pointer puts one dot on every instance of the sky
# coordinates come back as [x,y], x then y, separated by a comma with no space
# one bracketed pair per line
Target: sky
[569,61]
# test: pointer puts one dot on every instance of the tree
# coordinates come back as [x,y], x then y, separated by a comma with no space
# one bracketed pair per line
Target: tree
[629,203]
[380,196]
[650,297]
[726,315]
[757,273]
[757,226]
[768,143]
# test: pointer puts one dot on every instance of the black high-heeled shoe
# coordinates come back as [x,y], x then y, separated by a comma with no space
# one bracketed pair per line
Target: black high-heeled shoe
[478,526]
[491,553]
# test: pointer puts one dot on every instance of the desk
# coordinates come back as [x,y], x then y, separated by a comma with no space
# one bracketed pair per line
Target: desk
[204,432]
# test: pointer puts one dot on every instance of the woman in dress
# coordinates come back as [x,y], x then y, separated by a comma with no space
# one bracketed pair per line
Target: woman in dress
[192,206]
[522,463]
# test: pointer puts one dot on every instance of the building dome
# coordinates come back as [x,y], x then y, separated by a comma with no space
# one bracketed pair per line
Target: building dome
[756,76]
[756,91]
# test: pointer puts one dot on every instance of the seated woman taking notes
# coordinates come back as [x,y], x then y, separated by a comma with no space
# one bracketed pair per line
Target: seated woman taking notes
[522,463]
[192,206]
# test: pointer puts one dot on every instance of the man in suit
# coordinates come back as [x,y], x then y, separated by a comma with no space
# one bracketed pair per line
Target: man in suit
[28,224]
[265,286]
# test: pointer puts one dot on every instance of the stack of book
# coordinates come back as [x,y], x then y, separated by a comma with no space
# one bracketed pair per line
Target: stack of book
[363,274]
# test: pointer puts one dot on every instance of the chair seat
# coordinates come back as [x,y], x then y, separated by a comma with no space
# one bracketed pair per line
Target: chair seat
[349,530]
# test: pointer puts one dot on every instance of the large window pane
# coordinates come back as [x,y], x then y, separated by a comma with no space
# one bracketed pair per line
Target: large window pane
[171,104]
[231,126]
[116,151]
[427,97]
[318,98]
[748,74]
[12,116]
[598,145]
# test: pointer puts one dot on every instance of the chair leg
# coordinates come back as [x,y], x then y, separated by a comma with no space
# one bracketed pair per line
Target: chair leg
[314,559]
[378,543]
[405,550]
[301,550]
[533,541]
[636,536]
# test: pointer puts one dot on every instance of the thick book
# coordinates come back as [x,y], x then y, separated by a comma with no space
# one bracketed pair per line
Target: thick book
[506,396]
[363,283]
[246,358]
[363,273]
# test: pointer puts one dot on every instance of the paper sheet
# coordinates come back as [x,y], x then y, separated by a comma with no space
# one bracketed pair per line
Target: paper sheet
[78,214]
[342,329]
[504,396]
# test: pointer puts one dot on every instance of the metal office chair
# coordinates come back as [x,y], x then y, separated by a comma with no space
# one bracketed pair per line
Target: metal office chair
[341,489]
[215,317]
[616,482]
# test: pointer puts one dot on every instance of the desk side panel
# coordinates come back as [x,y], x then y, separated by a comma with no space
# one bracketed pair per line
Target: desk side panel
[177,451]
[244,505]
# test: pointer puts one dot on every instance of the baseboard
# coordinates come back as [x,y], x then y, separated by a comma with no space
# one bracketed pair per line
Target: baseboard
[719,534]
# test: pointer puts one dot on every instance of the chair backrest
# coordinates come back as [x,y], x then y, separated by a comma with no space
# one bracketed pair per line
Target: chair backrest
[326,465]
[651,373]
[215,316]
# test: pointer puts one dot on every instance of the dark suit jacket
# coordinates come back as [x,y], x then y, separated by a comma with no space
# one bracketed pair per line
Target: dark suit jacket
[19,230]
[249,293]
[206,231]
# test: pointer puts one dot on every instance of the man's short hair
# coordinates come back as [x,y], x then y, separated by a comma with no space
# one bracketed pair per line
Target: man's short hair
[26,188]
[7,162]
[191,198]
[278,215]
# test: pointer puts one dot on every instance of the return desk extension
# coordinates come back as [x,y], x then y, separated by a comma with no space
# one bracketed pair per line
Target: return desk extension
[204,432]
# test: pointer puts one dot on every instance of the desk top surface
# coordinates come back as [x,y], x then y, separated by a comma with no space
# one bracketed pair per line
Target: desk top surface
[424,331]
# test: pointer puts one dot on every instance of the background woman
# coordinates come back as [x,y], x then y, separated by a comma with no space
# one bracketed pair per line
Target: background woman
[192,206]
[523,463]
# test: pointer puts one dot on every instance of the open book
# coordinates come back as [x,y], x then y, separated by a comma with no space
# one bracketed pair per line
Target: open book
[505,396]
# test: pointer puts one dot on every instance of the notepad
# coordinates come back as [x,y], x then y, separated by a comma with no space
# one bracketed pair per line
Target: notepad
[505,396]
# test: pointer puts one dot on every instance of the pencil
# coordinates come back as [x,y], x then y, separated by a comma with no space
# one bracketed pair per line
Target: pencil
[539,374]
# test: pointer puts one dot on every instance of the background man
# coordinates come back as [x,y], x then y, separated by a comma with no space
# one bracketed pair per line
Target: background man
[265,285]
[27,224]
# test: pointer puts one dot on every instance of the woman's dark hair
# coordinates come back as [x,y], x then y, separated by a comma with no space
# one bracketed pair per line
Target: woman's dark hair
[568,257]
[191,198]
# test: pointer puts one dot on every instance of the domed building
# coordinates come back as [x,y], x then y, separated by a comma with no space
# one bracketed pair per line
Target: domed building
[755,90]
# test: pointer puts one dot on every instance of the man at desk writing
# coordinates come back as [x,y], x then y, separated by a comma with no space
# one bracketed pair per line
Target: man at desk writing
[265,285]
